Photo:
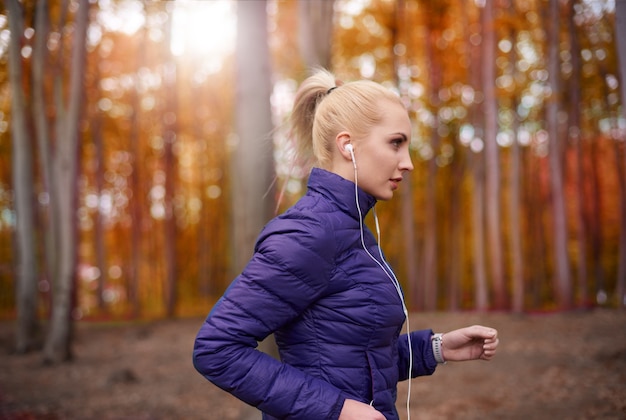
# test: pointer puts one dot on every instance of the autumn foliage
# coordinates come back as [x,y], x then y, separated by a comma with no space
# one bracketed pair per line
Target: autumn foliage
[156,133]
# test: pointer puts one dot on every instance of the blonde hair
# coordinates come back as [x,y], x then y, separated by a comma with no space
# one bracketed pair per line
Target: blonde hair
[324,106]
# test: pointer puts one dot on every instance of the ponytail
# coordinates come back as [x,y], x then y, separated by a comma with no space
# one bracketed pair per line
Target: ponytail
[309,95]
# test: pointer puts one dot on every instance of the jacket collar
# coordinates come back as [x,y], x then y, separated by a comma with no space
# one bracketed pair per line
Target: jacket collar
[340,191]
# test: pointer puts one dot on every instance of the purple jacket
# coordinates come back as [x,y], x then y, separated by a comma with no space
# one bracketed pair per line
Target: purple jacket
[335,314]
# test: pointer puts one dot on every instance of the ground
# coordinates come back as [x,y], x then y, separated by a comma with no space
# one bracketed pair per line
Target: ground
[549,366]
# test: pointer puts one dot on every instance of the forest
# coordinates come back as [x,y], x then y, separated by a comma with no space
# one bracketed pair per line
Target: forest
[144,144]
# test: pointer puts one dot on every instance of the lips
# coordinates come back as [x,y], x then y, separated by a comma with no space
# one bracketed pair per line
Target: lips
[395,182]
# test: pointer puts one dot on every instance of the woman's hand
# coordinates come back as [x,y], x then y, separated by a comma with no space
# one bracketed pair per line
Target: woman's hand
[470,343]
[355,410]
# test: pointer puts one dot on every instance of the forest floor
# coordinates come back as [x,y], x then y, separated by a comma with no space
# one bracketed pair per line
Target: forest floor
[549,366]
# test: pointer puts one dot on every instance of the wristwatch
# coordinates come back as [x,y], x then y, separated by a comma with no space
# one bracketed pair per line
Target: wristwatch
[437,342]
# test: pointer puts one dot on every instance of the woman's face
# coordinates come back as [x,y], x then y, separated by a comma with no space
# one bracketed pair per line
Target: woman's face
[383,156]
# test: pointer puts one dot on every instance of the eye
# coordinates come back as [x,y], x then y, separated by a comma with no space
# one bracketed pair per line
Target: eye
[397,142]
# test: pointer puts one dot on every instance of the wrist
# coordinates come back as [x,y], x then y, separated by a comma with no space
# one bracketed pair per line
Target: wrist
[437,344]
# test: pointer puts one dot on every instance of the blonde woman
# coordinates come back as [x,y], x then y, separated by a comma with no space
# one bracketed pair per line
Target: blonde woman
[319,281]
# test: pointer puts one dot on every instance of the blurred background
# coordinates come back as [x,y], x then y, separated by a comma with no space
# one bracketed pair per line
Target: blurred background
[143,145]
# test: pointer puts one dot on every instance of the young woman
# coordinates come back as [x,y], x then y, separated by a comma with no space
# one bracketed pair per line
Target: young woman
[318,279]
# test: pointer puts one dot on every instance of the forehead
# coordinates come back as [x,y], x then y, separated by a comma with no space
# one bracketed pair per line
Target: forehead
[395,116]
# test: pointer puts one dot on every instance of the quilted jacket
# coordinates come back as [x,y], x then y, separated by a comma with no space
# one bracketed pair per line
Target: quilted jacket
[335,313]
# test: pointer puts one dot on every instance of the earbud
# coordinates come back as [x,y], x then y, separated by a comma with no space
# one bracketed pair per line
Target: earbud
[350,149]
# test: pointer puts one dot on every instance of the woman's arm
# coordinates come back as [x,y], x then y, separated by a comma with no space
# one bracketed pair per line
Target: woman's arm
[469,343]
[288,272]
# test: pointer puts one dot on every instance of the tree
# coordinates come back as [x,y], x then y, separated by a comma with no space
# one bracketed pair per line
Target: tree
[252,170]
[562,277]
[22,164]
[170,132]
[514,209]
[252,160]
[431,257]
[65,166]
[492,160]
[400,37]
[99,230]
[620,30]
[315,29]
[575,134]
[477,170]
[136,201]
[40,62]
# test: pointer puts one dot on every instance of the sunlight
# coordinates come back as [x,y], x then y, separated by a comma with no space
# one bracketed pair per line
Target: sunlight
[126,17]
[205,29]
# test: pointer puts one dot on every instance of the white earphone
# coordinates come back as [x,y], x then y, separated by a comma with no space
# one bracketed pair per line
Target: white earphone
[350,149]
[388,272]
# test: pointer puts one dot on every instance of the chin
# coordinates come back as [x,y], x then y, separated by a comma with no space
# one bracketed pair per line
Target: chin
[385,197]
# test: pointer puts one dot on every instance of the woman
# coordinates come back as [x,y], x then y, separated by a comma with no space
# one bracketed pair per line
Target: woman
[319,282]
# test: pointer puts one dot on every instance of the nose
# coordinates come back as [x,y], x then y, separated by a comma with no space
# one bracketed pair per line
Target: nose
[406,164]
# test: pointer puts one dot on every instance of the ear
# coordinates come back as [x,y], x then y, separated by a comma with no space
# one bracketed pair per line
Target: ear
[342,140]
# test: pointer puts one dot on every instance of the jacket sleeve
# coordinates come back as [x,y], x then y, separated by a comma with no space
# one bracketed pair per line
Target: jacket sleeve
[288,271]
[424,362]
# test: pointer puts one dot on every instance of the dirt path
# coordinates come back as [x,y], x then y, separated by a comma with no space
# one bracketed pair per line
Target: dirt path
[559,366]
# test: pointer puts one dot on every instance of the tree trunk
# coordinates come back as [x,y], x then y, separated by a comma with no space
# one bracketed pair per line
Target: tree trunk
[59,340]
[410,247]
[170,134]
[407,209]
[169,245]
[477,168]
[535,200]
[22,173]
[429,298]
[576,140]
[620,39]
[42,129]
[315,18]
[252,160]
[618,149]
[515,230]
[481,296]
[515,238]
[621,177]
[455,235]
[515,202]
[99,229]
[562,277]
[492,163]
[135,203]
[595,225]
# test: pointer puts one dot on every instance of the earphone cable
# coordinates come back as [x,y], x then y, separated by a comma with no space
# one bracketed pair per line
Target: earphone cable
[396,283]
[391,277]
